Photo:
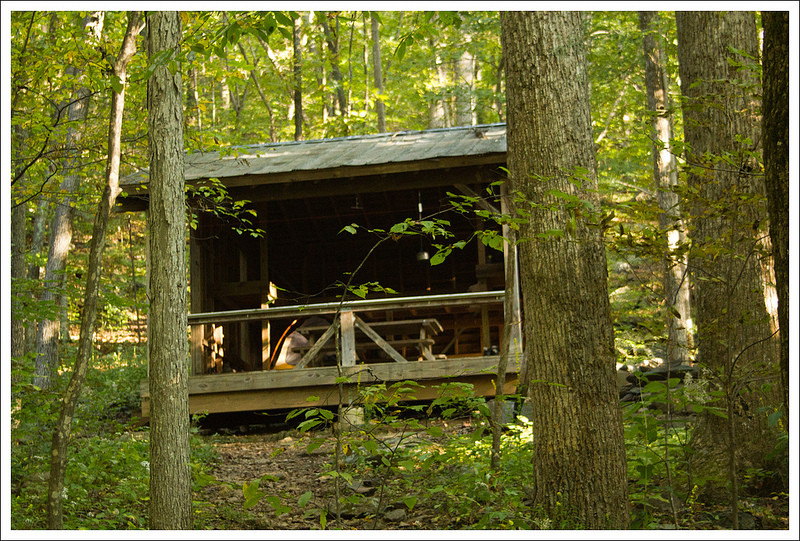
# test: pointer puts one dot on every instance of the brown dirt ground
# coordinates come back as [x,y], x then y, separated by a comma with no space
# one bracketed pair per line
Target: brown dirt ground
[245,458]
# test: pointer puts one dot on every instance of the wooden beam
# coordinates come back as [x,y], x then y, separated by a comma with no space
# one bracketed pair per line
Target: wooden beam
[281,389]
[326,375]
[325,395]
[397,303]
[347,325]
[375,337]
[318,345]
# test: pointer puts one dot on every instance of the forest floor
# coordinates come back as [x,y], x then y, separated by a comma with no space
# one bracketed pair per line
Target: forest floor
[293,470]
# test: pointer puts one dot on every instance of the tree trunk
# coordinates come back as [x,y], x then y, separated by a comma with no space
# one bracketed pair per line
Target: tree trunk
[170,474]
[61,230]
[439,108]
[465,85]
[734,344]
[776,169]
[332,39]
[193,117]
[578,438]
[61,433]
[297,90]
[18,223]
[378,77]
[665,173]
[34,270]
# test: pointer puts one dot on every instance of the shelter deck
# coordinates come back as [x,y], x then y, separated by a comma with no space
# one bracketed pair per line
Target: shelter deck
[317,387]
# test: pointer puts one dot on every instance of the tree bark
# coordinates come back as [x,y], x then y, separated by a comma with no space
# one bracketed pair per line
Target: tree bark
[61,230]
[578,438]
[193,117]
[170,475]
[297,90]
[776,169]
[18,223]
[665,173]
[465,84]
[40,218]
[734,344]
[332,39]
[61,433]
[377,75]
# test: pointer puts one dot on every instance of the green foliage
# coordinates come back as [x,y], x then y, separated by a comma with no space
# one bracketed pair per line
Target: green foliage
[416,463]
[213,197]
[107,478]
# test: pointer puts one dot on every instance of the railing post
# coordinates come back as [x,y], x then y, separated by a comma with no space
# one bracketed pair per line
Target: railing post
[348,338]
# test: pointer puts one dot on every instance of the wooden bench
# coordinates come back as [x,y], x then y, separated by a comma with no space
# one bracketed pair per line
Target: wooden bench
[421,329]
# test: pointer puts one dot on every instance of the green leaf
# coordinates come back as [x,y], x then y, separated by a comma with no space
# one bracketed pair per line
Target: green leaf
[400,52]
[399,228]
[371,446]
[283,18]
[434,431]
[302,501]
[350,229]
[313,446]
[251,494]
[655,387]
[308,424]
[410,502]
[440,256]
[116,84]
[773,418]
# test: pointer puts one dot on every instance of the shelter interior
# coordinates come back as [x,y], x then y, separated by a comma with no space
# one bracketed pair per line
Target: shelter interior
[305,256]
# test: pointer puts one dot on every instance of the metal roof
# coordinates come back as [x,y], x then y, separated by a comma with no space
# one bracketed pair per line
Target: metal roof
[358,150]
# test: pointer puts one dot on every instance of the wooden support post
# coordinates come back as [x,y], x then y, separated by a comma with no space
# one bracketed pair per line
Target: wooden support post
[197,290]
[244,327]
[486,338]
[348,338]
[269,293]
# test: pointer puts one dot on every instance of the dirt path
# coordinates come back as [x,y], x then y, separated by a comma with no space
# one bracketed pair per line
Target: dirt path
[291,471]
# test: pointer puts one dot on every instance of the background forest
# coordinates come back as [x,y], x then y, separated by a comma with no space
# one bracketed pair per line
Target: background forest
[255,77]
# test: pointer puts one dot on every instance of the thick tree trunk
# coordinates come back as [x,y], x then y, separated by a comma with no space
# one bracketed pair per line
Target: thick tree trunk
[61,434]
[170,475]
[727,214]
[61,230]
[578,437]
[665,173]
[377,75]
[776,168]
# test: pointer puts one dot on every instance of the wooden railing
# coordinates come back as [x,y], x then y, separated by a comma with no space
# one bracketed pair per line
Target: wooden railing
[364,305]
[346,322]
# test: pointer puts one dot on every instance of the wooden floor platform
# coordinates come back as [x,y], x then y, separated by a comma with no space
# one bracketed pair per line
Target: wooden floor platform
[313,387]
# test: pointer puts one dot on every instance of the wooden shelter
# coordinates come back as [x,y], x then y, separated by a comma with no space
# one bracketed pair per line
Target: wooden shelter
[254,296]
